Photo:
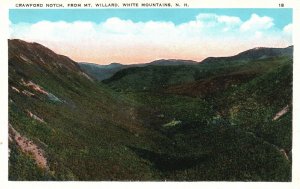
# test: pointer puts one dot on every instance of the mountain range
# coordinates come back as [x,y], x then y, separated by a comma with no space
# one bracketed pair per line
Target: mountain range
[222,119]
[102,72]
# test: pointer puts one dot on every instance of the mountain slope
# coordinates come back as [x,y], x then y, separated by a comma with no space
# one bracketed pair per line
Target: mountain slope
[78,126]
[34,53]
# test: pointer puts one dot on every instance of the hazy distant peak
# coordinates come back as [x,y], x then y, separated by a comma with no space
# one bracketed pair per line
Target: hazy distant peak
[172,62]
[114,64]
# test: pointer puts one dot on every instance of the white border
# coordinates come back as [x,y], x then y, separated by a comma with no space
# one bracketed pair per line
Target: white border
[295,184]
[191,3]
[3,93]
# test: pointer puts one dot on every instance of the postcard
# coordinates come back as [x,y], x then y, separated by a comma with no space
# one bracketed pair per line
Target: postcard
[120,93]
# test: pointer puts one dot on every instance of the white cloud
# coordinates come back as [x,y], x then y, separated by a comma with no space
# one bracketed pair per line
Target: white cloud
[116,25]
[126,41]
[288,29]
[230,20]
[256,23]
[258,34]
[214,20]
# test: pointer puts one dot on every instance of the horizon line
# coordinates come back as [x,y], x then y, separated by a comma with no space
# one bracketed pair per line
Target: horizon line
[159,59]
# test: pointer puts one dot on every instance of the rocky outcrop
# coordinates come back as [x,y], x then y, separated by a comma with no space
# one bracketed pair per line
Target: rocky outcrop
[15,89]
[28,147]
[281,113]
[30,114]
[40,90]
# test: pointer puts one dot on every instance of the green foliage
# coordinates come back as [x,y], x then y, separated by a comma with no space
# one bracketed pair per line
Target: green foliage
[231,129]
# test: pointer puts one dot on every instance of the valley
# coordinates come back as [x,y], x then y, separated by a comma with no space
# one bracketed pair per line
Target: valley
[220,119]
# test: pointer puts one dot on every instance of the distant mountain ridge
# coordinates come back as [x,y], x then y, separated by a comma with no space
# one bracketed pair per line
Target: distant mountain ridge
[171,62]
[252,54]
[102,72]
[244,63]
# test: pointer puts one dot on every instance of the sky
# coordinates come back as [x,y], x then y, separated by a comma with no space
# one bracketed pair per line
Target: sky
[131,36]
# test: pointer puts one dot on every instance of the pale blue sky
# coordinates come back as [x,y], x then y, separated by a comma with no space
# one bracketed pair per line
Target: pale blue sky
[281,16]
[141,35]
